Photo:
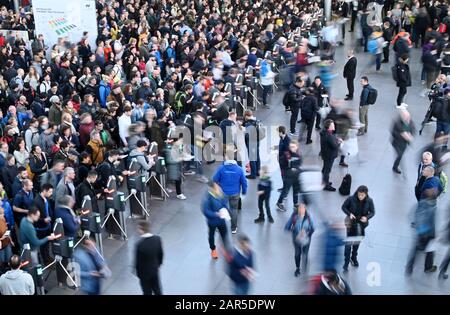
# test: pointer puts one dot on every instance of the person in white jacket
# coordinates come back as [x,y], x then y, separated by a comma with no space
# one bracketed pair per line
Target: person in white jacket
[267,77]
[16,281]
[124,124]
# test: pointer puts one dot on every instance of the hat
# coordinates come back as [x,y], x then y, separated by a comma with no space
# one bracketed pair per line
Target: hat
[54,99]
[145,80]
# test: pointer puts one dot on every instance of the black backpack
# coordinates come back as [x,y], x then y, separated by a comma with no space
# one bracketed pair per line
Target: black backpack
[286,99]
[346,185]
[394,73]
[372,96]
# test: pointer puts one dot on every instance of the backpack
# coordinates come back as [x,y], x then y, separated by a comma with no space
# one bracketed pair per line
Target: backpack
[372,46]
[346,185]
[286,100]
[372,96]
[394,73]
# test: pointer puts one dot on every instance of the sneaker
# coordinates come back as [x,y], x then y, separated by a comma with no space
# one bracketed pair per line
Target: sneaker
[214,254]
[280,189]
[348,98]
[329,188]
[297,272]
[354,262]
[259,220]
[271,220]
[280,207]
[396,170]
[234,231]
[432,269]
[343,164]
[181,197]
[443,276]
[189,173]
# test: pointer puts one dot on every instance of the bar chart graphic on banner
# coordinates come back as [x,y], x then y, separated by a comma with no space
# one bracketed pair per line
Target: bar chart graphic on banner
[61,26]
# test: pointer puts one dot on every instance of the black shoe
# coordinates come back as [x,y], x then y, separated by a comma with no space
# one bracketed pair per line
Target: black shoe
[345,267]
[396,170]
[443,276]
[211,162]
[384,61]
[271,220]
[287,109]
[343,164]
[318,128]
[348,98]
[354,262]
[408,272]
[259,220]
[250,177]
[280,189]
[308,141]
[280,207]
[297,272]
[430,270]
[329,188]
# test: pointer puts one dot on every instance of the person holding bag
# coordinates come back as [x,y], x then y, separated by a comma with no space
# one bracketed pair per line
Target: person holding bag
[359,209]
[302,228]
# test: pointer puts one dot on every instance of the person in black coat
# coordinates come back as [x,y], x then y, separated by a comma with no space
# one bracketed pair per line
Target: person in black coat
[319,90]
[401,46]
[9,173]
[295,97]
[149,258]
[86,188]
[43,226]
[403,77]
[350,73]
[329,148]
[309,112]
[402,135]
[388,32]
[359,209]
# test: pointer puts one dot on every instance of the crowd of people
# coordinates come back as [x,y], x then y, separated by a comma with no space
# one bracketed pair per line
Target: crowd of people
[76,113]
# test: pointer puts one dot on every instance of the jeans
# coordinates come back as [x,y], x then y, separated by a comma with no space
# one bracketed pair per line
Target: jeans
[223,234]
[264,199]
[378,61]
[300,250]
[266,91]
[5,254]
[442,127]
[233,201]
[364,117]
[241,288]
[326,170]
[400,150]
[294,116]
[420,245]
[401,95]
[289,182]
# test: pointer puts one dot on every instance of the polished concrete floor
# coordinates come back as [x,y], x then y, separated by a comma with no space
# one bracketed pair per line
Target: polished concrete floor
[188,268]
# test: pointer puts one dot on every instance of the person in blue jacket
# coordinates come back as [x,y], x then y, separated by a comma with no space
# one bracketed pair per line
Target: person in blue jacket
[241,266]
[103,91]
[21,117]
[64,211]
[92,267]
[212,204]
[231,178]
[302,228]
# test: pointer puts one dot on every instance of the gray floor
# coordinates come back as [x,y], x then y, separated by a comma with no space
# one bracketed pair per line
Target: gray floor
[188,268]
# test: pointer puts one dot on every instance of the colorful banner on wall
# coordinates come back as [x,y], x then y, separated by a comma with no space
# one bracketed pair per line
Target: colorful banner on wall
[57,19]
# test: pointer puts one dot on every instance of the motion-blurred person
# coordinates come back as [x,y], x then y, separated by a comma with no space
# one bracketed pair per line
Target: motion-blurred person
[241,266]
[359,209]
[92,267]
[231,178]
[149,258]
[16,281]
[402,135]
[212,207]
[290,163]
[330,283]
[446,261]
[350,73]
[302,227]
[329,148]
[264,191]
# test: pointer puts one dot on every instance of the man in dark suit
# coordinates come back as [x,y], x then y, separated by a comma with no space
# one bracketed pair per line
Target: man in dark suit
[329,148]
[43,225]
[149,257]
[350,73]
[86,188]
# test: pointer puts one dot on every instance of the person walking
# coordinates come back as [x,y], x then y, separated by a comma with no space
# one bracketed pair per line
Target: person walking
[359,209]
[446,261]
[302,227]
[241,266]
[290,164]
[402,77]
[149,258]
[350,73]
[213,206]
[264,191]
[329,148]
[364,106]
[402,135]
[231,178]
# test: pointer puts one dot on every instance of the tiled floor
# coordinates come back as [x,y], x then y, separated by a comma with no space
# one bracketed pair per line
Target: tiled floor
[188,269]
